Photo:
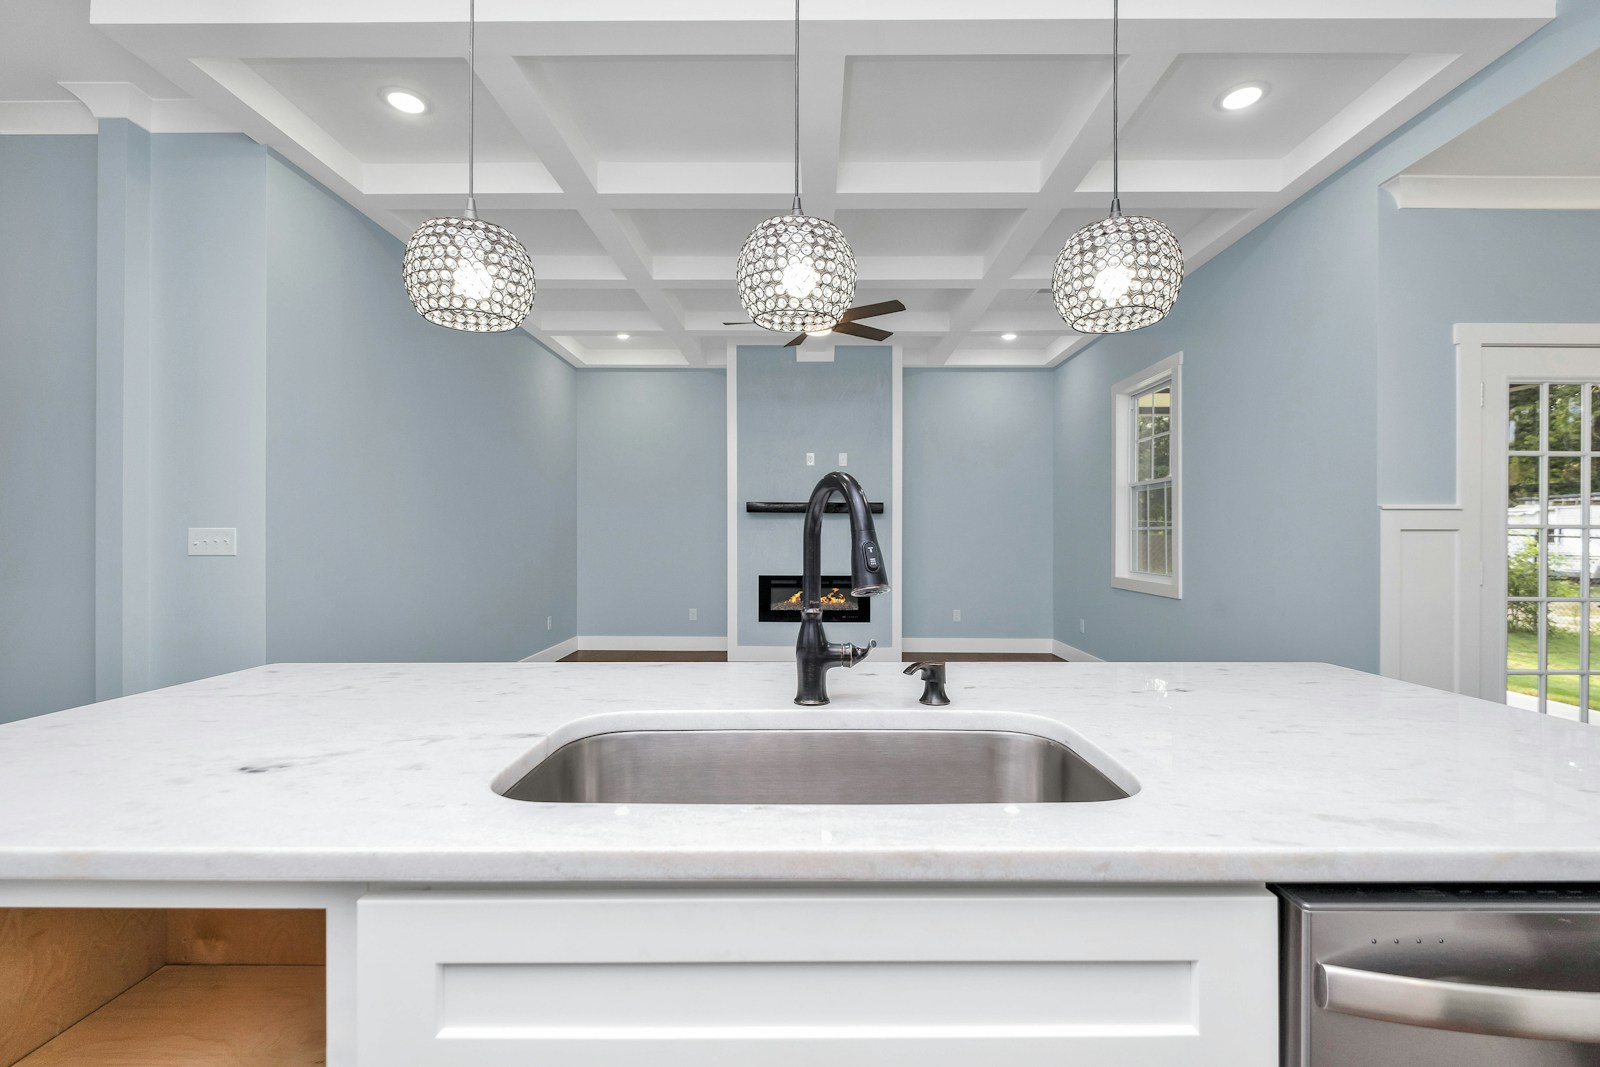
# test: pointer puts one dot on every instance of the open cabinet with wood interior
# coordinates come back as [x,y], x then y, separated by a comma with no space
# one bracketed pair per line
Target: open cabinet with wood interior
[162,987]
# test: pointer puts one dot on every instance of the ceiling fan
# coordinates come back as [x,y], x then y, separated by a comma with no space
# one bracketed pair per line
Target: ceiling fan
[849,323]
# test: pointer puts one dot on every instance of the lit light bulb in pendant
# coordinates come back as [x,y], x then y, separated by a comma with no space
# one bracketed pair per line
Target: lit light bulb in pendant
[471,281]
[800,278]
[820,333]
[1113,283]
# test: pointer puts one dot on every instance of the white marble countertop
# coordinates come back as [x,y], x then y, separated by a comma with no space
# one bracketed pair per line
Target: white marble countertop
[381,773]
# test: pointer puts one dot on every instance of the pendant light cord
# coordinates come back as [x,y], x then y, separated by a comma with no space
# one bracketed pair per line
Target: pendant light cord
[472,80]
[1116,123]
[797,210]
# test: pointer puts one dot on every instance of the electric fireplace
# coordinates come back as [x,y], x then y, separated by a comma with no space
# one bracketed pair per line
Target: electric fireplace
[779,599]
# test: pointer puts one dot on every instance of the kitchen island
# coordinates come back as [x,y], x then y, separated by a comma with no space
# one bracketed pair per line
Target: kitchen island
[365,792]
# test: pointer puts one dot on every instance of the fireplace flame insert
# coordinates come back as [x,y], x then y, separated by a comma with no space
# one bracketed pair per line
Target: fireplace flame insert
[780,599]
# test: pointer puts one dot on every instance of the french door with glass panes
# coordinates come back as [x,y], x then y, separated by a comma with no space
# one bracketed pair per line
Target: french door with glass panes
[1541,496]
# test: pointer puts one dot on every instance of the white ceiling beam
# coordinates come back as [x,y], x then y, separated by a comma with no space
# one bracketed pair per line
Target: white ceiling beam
[921,272]
[424,185]
[561,149]
[598,323]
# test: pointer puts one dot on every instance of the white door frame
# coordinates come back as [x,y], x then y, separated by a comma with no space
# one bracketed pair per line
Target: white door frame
[1483,635]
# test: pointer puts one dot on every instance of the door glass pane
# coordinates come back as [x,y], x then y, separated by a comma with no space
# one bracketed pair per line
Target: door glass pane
[1561,696]
[1563,630]
[1565,494]
[1563,555]
[1522,636]
[1522,563]
[1522,691]
[1522,496]
[1566,417]
[1522,433]
[1594,407]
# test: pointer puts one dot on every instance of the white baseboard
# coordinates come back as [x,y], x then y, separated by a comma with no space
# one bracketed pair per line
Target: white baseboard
[554,652]
[1075,655]
[977,644]
[607,643]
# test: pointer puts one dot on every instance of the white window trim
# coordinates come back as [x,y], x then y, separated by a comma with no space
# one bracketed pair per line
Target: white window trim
[1122,574]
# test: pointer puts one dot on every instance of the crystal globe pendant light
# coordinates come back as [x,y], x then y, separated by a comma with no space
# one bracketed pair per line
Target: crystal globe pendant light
[460,271]
[796,274]
[1123,272]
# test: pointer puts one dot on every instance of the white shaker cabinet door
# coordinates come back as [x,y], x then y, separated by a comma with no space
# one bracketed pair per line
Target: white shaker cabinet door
[808,977]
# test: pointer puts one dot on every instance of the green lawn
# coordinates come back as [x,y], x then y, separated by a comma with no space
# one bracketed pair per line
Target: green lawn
[1522,653]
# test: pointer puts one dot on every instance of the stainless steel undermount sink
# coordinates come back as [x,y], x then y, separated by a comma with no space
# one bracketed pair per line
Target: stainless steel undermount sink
[814,766]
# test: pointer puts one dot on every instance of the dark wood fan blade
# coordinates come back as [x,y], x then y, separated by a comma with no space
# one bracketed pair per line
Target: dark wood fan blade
[796,341]
[746,323]
[855,329]
[867,311]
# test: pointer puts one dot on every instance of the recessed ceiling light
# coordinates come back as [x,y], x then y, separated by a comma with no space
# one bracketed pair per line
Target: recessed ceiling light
[1008,337]
[404,100]
[1242,96]
[623,336]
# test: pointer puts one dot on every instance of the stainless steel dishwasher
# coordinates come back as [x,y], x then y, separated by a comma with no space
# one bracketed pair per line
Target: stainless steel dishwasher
[1440,976]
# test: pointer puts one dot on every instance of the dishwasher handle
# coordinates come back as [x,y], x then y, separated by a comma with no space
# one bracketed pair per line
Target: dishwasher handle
[1499,1011]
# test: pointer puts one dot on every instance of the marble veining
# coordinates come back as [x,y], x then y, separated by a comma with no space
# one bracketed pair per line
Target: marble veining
[382,773]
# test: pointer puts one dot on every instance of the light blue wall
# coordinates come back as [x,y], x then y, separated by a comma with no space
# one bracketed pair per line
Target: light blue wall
[1298,420]
[1280,538]
[421,501]
[202,336]
[47,410]
[208,232]
[1438,268]
[785,409]
[979,500]
[652,503]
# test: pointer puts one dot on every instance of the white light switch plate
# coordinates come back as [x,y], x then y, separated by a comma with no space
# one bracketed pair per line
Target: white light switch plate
[213,541]
[811,459]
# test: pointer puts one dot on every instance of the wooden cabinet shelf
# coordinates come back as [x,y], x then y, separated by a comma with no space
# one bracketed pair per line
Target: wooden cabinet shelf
[201,1016]
[163,987]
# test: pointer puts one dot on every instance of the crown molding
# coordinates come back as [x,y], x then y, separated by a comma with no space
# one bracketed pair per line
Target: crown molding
[1496,192]
[124,100]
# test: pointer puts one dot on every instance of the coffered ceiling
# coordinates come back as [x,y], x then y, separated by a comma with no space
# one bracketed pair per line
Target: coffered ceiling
[632,144]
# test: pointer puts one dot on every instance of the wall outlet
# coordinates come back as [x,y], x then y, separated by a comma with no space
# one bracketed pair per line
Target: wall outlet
[213,541]
[844,459]
[549,622]
[694,614]
[1081,628]
[955,615]
[811,459]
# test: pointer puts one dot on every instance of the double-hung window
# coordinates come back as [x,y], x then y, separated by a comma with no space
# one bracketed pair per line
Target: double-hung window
[1148,507]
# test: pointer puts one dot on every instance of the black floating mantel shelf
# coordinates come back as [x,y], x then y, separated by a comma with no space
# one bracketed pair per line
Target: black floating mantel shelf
[782,507]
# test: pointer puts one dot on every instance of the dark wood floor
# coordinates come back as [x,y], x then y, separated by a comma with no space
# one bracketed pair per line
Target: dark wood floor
[600,656]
